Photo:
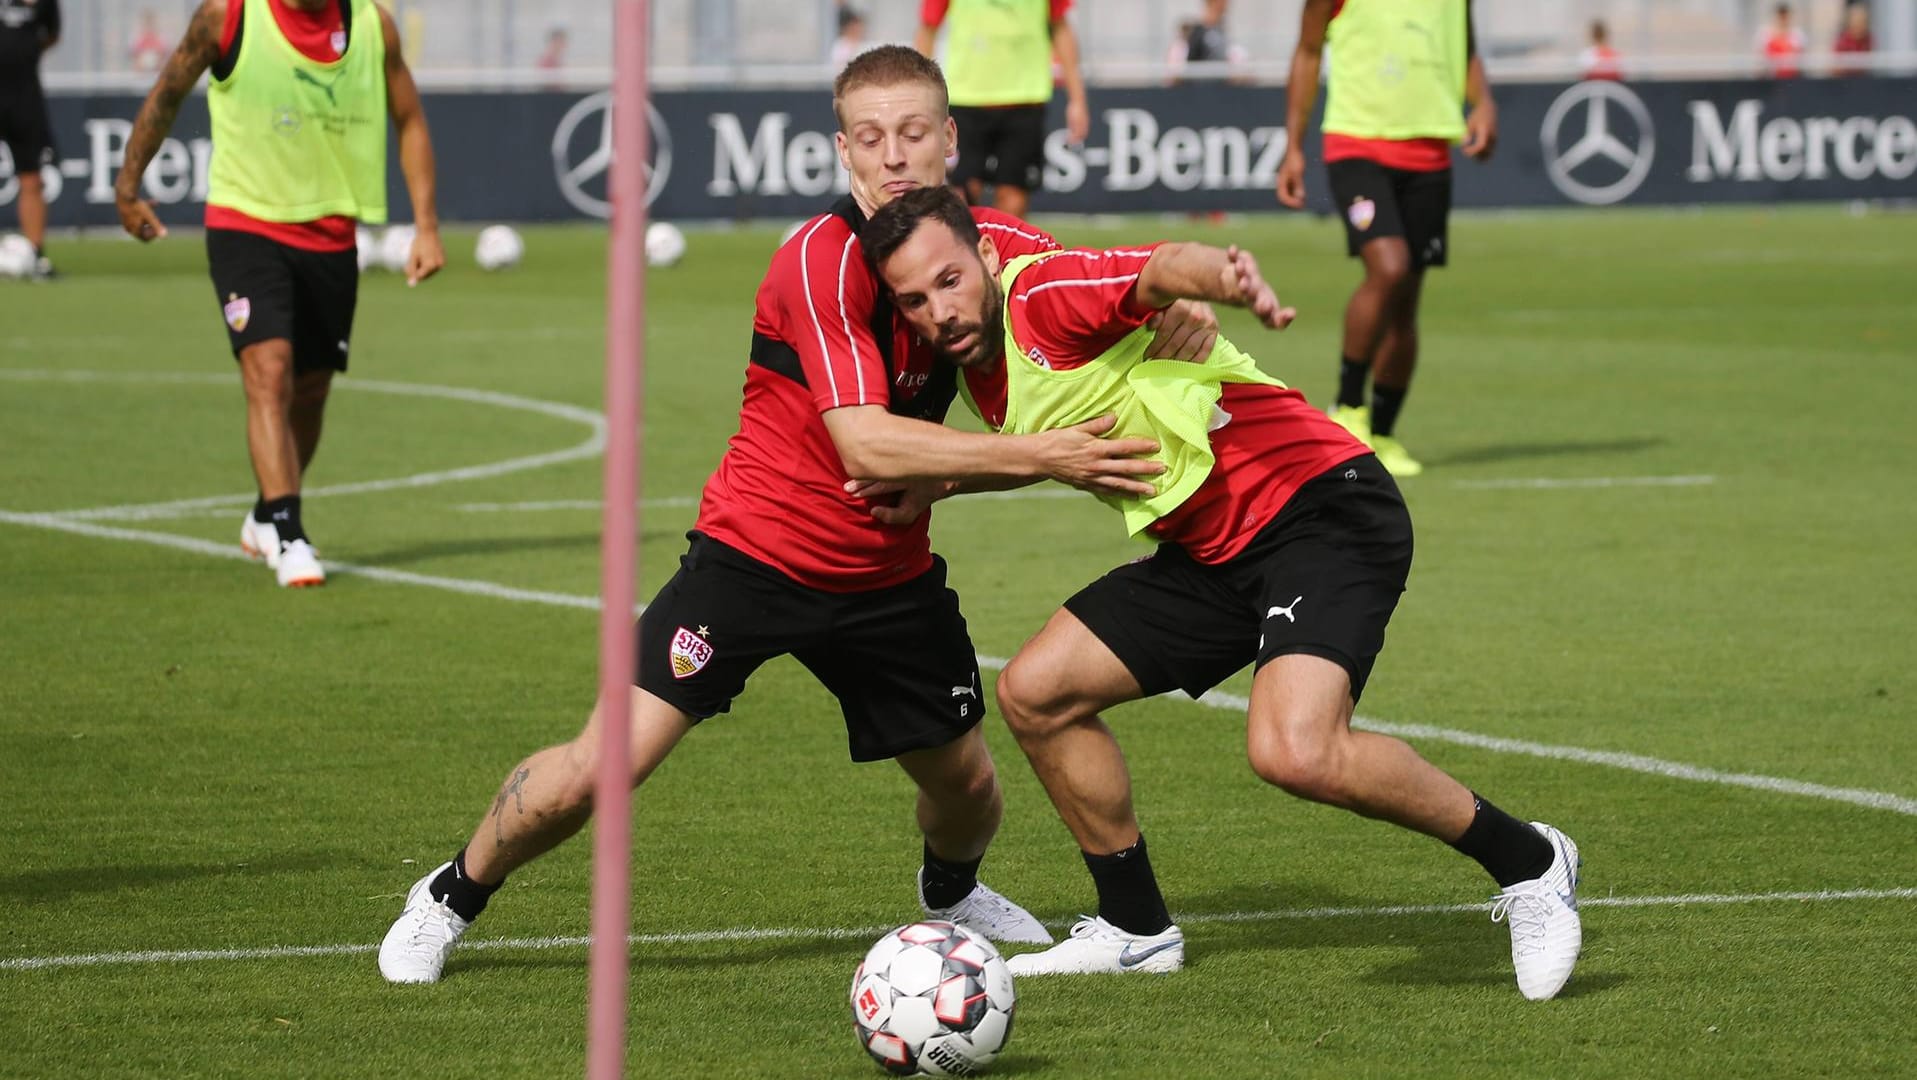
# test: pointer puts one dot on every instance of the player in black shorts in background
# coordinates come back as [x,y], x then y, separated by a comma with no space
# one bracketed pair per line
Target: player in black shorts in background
[28,28]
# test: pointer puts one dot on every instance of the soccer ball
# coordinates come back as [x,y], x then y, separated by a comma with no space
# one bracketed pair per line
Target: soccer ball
[932,998]
[16,256]
[366,242]
[499,248]
[665,244]
[395,247]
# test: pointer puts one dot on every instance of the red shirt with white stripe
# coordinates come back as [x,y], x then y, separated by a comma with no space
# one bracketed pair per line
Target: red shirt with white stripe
[320,36]
[778,493]
[1068,309]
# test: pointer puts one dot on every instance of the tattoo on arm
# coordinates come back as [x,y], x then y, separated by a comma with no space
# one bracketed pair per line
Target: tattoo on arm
[197,51]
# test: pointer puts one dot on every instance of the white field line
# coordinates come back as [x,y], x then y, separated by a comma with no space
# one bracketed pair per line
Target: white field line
[1576,482]
[593,446]
[671,502]
[862,933]
[1676,770]
[198,546]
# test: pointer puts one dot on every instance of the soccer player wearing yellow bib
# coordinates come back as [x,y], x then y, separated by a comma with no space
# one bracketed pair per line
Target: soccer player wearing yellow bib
[301,91]
[1282,544]
[1401,74]
[998,69]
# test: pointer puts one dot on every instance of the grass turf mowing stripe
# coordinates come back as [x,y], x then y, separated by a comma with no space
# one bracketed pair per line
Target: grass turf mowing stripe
[1675,770]
[829,933]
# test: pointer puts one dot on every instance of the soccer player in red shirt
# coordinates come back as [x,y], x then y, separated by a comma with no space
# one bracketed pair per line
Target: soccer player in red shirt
[1783,45]
[783,561]
[1289,556]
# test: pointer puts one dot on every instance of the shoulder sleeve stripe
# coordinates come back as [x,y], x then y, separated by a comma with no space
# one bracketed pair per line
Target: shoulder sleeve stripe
[1011,229]
[805,283]
[1120,280]
[846,320]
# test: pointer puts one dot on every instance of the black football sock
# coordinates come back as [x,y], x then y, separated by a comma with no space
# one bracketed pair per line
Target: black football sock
[466,897]
[1385,403]
[284,513]
[945,882]
[1508,849]
[1351,381]
[1128,895]
[260,512]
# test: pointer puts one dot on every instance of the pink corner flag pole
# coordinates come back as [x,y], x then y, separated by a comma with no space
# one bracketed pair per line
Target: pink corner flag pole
[618,548]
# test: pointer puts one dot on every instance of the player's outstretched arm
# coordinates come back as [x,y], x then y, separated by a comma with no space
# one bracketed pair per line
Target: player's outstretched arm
[197,51]
[874,444]
[1301,91]
[415,157]
[1220,275]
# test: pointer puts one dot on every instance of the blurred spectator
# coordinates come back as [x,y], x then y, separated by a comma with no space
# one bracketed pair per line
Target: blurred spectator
[1853,40]
[149,50]
[1203,41]
[1599,60]
[998,64]
[1783,45]
[851,40]
[552,59]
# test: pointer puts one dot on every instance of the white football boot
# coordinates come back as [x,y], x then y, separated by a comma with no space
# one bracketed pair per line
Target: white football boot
[416,948]
[299,565]
[261,541]
[991,914]
[1097,947]
[1546,932]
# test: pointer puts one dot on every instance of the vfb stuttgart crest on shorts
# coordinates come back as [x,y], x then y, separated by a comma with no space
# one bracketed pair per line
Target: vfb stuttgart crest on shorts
[1362,212]
[690,652]
[238,309]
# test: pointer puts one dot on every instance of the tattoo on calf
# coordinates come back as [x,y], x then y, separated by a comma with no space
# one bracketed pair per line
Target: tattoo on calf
[516,787]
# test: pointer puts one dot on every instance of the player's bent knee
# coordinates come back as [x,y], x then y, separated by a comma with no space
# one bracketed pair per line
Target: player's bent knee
[1029,709]
[1302,766]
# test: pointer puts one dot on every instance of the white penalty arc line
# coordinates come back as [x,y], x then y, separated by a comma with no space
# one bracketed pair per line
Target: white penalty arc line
[1570,483]
[593,445]
[1639,763]
[861,933]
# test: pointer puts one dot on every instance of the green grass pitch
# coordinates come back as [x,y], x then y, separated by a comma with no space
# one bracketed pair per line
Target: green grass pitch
[1669,513]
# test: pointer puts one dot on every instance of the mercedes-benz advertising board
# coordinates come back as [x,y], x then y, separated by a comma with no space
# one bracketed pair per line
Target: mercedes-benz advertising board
[760,153]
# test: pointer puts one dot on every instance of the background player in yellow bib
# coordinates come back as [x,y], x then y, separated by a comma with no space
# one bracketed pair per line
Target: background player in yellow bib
[300,93]
[1402,72]
[998,69]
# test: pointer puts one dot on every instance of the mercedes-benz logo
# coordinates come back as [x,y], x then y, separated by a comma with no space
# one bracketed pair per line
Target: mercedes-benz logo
[582,154]
[1593,163]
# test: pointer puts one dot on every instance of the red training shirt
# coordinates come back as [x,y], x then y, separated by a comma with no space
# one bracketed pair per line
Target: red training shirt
[778,493]
[319,36]
[1067,309]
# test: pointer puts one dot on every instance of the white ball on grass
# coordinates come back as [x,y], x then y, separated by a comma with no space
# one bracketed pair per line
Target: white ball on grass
[367,243]
[16,256]
[395,247]
[499,247]
[665,244]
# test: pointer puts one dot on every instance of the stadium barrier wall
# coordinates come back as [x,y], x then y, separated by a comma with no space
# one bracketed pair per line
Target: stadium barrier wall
[721,154]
